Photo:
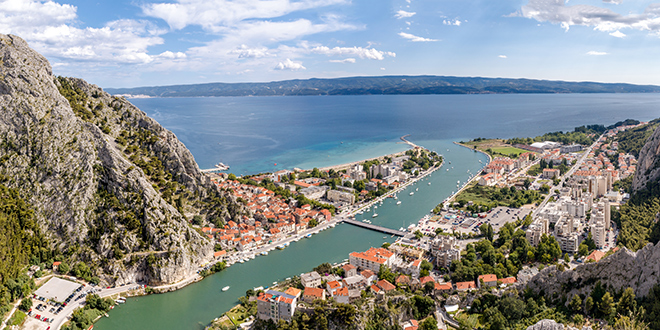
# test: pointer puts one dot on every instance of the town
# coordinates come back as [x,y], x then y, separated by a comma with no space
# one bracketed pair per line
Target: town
[567,221]
[289,205]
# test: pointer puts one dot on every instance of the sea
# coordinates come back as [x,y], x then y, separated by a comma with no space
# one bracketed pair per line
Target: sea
[265,134]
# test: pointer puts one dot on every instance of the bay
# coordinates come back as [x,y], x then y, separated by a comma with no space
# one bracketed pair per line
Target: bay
[254,134]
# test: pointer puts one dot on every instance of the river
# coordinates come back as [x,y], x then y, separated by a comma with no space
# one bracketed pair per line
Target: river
[265,134]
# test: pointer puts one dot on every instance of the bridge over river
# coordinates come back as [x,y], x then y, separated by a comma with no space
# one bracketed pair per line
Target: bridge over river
[376,228]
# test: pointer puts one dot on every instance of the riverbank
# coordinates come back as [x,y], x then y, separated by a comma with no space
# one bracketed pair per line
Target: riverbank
[474,177]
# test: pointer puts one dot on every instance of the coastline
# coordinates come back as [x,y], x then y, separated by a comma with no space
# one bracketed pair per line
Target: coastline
[344,166]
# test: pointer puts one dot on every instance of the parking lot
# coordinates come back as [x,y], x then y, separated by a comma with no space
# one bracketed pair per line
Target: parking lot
[48,313]
[459,221]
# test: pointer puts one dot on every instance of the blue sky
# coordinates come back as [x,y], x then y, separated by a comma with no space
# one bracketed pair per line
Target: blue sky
[158,42]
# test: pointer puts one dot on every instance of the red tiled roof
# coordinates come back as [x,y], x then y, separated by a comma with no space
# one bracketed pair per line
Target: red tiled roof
[443,286]
[465,285]
[488,278]
[425,279]
[313,292]
[385,285]
[219,253]
[508,280]
[334,284]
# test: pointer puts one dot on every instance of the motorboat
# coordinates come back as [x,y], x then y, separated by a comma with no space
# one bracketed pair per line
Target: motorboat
[412,193]
[375,215]
[225,288]
[398,202]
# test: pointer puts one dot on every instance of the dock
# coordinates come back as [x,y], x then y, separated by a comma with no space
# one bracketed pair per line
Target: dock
[376,228]
[211,170]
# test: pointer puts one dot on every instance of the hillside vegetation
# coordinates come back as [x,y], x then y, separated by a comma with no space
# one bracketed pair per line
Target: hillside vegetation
[385,85]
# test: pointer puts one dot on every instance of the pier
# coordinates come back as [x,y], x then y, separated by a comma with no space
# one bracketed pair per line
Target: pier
[211,170]
[376,228]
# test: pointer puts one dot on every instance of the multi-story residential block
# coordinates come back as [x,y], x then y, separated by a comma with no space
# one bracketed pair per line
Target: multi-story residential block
[275,305]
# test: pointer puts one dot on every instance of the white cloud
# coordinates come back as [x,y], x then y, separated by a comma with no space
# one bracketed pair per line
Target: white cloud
[415,38]
[368,53]
[246,52]
[618,34]
[382,69]
[290,65]
[601,19]
[214,15]
[346,60]
[404,14]
[501,56]
[50,28]
[595,53]
[455,22]
[616,2]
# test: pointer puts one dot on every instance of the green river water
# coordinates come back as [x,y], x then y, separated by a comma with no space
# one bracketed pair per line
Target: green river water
[196,305]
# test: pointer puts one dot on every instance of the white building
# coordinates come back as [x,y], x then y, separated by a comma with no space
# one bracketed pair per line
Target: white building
[275,305]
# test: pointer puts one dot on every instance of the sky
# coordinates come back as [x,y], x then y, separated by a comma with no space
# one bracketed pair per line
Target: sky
[130,43]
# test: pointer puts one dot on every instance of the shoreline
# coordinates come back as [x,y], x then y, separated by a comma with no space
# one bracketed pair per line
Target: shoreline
[344,166]
[475,177]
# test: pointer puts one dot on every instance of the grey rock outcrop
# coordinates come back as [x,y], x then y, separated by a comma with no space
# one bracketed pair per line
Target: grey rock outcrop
[639,270]
[552,325]
[648,164]
[109,185]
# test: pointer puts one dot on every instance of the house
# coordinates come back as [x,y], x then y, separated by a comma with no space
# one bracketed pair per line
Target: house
[425,280]
[56,265]
[275,305]
[508,280]
[465,286]
[311,280]
[410,325]
[402,280]
[488,280]
[341,296]
[369,277]
[311,294]
[332,286]
[595,256]
[293,292]
[349,270]
[551,173]
[443,287]
[372,259]
[415,267]
[385,285]
[354,282]
[218,254]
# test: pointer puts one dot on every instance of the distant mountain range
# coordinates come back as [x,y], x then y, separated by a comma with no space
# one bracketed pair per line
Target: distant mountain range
[385,85]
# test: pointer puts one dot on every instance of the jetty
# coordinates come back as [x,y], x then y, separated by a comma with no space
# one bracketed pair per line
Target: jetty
[376,228]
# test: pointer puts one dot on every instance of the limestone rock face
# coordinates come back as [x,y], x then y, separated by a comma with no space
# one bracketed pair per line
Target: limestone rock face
[648,164]
[109,185]
[552,325]
[639,270]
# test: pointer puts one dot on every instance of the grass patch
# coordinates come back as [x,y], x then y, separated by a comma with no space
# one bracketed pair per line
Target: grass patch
[494,147]
[18,318]
[493,196]
[93,313]
[238,314]
[508,151]
[534,170]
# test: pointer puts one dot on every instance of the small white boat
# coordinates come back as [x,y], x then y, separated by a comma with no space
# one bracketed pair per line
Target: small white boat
[429,183]
[375,207]
[447,170]
[398,202]
[416,189]
[375,215]
[412,193]
[225,288]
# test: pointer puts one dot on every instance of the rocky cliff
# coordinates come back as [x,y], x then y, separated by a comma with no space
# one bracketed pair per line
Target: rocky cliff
[648,164]
[639,270]
[109,185]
